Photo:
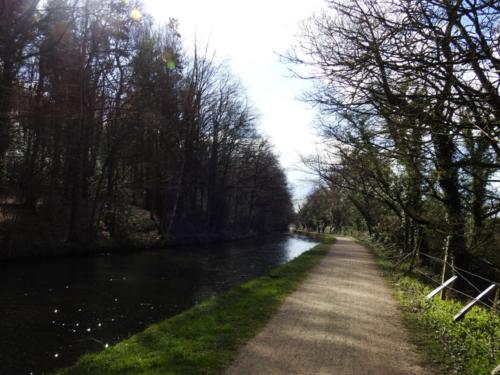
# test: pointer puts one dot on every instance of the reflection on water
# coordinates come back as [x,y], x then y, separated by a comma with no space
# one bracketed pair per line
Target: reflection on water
[51,312]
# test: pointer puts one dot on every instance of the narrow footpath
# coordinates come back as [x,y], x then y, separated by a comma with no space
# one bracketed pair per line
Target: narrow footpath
[341,321]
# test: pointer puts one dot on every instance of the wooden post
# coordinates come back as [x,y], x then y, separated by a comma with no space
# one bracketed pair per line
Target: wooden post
[466,309]
[496,301]
[445,263]
[419,237]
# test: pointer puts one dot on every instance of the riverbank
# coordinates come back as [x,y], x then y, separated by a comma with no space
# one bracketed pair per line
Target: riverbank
[208,335]
[34,237]
[136,242]
[468,347]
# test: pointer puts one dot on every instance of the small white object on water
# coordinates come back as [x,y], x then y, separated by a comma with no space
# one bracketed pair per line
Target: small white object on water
[56,355]
[88,330]
[106,346]
[116,299]
[99,325]
[56,311]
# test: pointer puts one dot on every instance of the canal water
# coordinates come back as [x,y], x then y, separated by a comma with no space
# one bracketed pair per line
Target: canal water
[52,312]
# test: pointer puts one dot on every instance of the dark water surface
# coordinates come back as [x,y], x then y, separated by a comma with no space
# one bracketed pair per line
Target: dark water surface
[51,312]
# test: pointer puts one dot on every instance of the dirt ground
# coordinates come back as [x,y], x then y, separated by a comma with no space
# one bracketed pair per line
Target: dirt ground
[341,321]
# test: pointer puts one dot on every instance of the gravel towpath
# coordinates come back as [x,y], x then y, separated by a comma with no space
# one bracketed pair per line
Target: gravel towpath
[342,320]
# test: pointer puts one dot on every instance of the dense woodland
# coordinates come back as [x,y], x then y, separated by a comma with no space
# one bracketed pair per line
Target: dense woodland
[112,134]
[410,112]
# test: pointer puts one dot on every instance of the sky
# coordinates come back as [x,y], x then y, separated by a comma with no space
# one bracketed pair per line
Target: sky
[249,35]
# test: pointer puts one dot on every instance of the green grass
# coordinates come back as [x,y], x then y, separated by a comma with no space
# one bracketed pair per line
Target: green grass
[205,338]
[468,347]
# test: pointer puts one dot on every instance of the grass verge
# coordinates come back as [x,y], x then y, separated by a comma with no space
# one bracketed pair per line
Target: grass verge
[468,347]
[205,338]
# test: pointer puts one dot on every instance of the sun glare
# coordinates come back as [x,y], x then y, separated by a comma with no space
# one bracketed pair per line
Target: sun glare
[136,14]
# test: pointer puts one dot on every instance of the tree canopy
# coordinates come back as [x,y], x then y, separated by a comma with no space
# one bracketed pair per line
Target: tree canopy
[109,130]
[409,97]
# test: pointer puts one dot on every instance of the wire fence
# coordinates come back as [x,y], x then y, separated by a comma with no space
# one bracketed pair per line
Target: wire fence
[460,272]
[460,269]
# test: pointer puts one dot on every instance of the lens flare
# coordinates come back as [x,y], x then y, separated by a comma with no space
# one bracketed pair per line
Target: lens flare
[169,60]
[136,14]
[171,65]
